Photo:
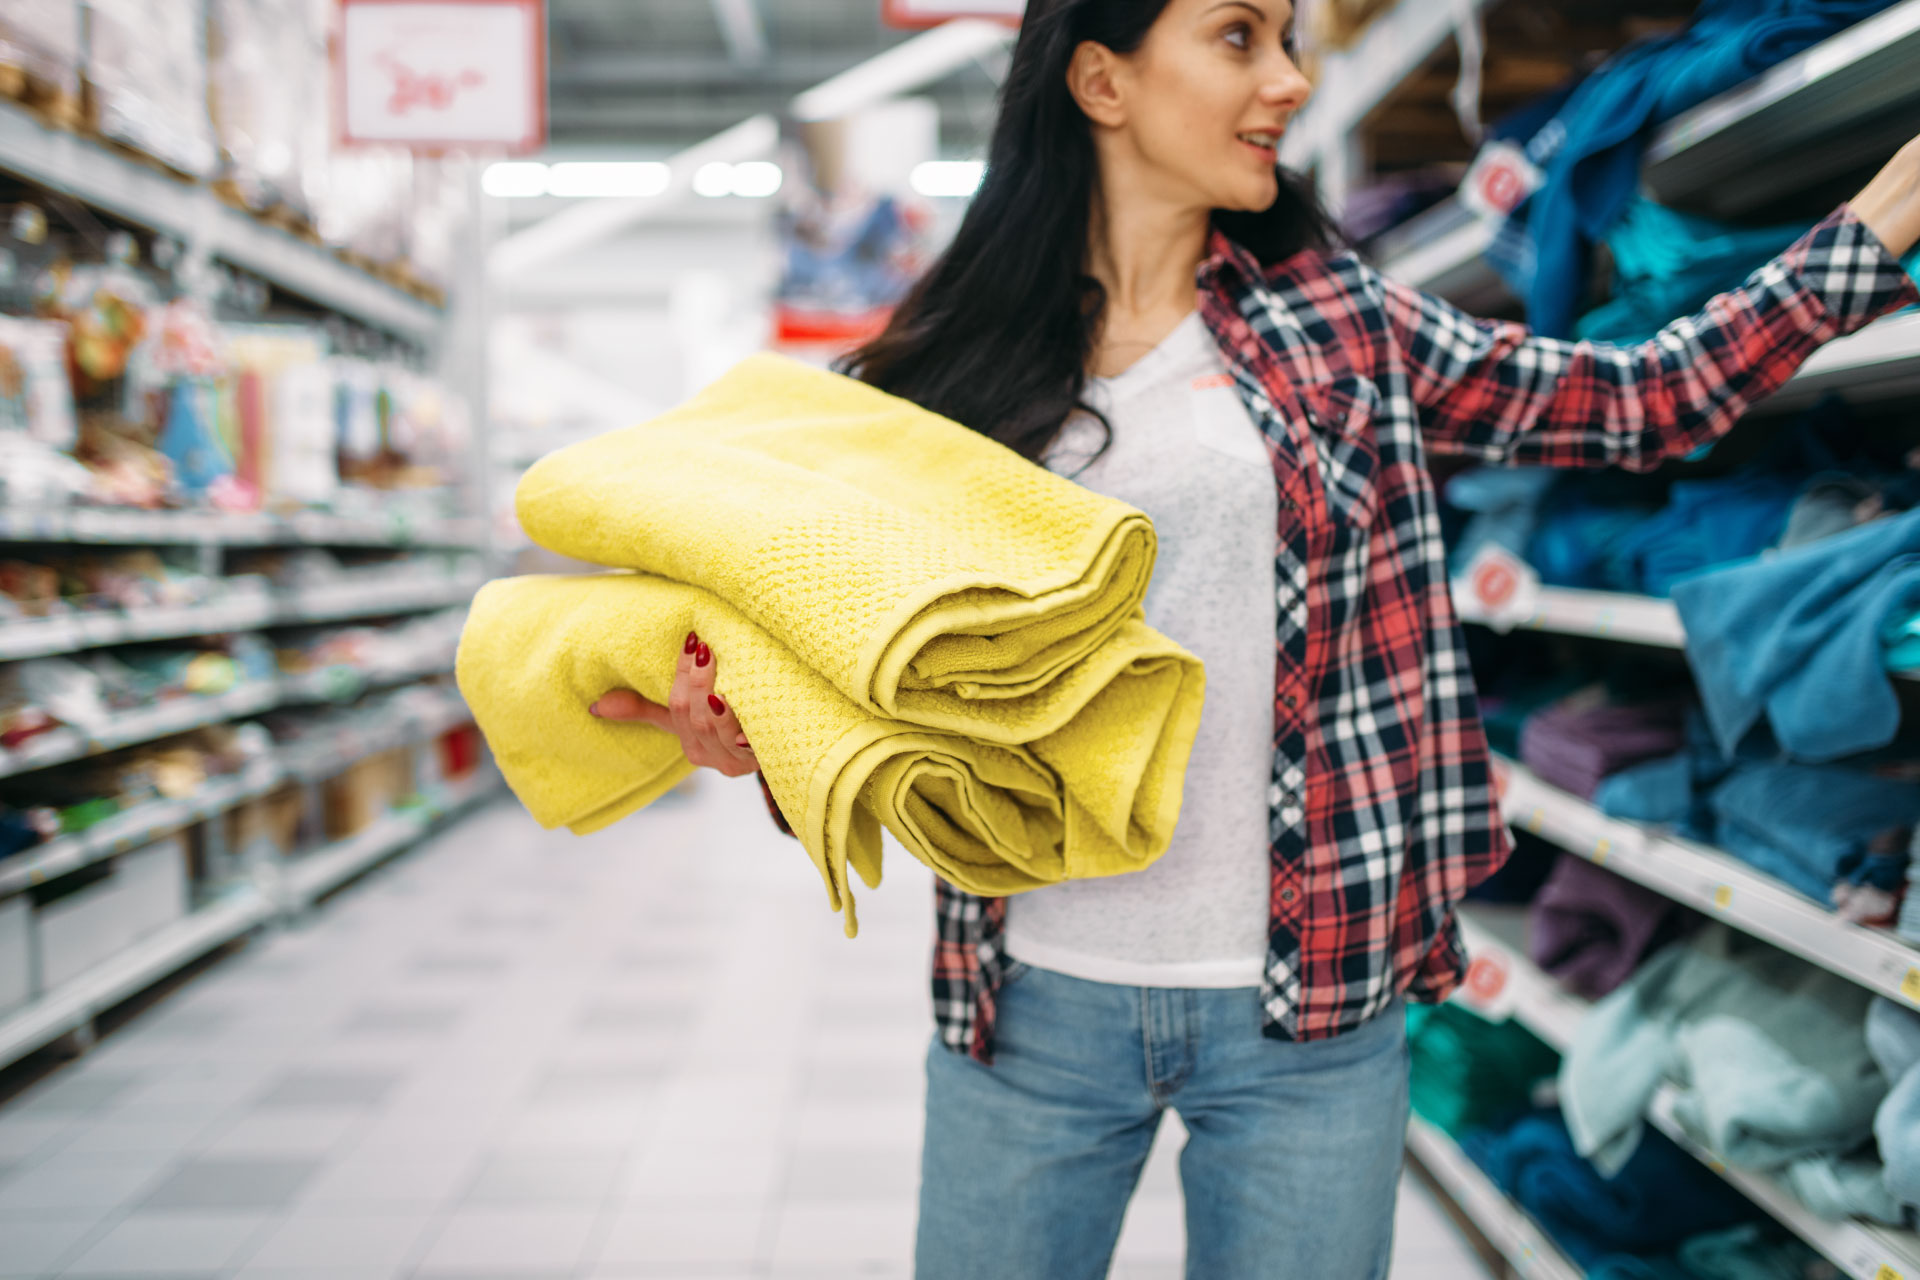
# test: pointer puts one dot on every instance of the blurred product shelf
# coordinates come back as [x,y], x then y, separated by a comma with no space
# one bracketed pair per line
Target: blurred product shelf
[1608,615]
[1714,883]
[1527,1249]
[141,194]
[1514,987]
[103,525]
[1843,103]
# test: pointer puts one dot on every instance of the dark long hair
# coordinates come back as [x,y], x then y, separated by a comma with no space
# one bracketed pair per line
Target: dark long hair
[996,335]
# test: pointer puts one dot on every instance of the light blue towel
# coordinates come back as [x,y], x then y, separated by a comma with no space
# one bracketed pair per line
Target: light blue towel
[1797,637]
[1893,1034]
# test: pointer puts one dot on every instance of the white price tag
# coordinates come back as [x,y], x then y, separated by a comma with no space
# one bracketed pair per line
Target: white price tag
[1500,588]
[1500,181]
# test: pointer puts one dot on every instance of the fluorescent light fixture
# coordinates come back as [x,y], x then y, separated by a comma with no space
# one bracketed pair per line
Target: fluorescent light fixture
[757,179]
[713,180]
[515,179]
[959,178]
[588,179]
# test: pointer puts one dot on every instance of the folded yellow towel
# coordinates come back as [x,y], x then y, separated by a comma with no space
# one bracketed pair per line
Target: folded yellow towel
[1099,796]
[931,574]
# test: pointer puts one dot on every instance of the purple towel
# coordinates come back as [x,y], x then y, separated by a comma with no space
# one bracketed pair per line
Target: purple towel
[1574,746]
[1589,928]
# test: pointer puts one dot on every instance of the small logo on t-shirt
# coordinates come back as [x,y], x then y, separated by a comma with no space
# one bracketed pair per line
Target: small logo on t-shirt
[1213,382]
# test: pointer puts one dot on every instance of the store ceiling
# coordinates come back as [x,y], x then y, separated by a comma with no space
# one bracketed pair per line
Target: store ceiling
[667,73]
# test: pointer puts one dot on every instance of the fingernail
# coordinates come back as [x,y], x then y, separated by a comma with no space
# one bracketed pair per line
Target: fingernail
[719,707]
[740,742]
[702,656]
[693,642]
[594,711]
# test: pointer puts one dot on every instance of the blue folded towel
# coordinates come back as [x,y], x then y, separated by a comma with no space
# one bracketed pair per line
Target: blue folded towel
[1796,635]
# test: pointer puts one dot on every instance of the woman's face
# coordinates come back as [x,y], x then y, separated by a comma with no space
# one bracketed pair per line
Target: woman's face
[1204,99]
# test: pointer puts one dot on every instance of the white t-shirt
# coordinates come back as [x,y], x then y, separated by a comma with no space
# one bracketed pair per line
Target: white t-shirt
[1185,452]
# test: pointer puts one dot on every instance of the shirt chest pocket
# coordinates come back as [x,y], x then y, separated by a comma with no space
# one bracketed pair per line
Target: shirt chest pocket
[1343,415]
[1222,424]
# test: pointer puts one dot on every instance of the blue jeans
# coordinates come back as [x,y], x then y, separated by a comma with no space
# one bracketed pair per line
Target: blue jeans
[1289,1172]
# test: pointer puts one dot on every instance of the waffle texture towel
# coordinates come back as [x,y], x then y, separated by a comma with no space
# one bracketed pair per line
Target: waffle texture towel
[918,629]
[929,573]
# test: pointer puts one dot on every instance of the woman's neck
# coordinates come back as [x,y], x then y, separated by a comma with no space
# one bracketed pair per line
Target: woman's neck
[1144,253]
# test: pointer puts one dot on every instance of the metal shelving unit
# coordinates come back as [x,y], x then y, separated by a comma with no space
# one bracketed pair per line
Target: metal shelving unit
[1605,615]
[1715,883]
[252,606]
[1530,997]
[105,526]
[314,875]
[147,197]
[1832,109]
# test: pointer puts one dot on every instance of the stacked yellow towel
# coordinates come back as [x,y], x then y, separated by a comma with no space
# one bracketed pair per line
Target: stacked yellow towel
[930,573]
[918,629]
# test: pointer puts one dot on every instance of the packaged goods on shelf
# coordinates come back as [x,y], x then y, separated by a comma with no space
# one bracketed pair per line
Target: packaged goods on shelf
[358,796]
[40,52]
[146,80]
[267,92]
[36,398]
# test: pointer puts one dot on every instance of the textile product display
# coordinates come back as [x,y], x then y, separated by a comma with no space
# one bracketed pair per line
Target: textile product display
[1589,928]
[1097,797]
[1574,745]
[1467,1071]
[1815,826]
[931,574]
[1794,635]
[1908,924]
[1667,263]
[1893,1036]
[1654,1201]
[1707,523]
[1593,174]
[1506,502]
[1768,1053]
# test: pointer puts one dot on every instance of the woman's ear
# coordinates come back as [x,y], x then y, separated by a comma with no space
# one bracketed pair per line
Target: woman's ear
[1094,78]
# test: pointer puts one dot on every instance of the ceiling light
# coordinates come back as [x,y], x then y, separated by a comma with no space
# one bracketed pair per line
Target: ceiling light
[580,179]
[958,178]
[515,179]
[714,179]
[757,178]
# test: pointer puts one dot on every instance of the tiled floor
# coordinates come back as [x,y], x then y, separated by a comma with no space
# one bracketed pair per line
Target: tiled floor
[519,1054]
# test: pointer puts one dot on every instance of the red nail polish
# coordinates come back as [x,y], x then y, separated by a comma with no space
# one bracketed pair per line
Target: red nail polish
[693,642]
[703,655]
[719,707]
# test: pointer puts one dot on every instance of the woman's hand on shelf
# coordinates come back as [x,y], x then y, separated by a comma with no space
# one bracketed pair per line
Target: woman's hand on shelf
[1890,204]
[709,733]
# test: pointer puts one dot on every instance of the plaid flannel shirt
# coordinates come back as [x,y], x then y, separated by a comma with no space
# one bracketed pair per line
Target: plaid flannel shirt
[1383,809]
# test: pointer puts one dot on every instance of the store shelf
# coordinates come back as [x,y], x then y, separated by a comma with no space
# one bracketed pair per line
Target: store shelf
[347,598]
[1493,938]
[137,826]
[127,189]
[1859,1249]
[314,875]
[1881,362]
[112,526]
[1714,883]
[178,715]
[243,610]
[146,962]
[324,754]
[1525,1247]
[1443,252]
[1607,614]
[1841,105]
[343,683]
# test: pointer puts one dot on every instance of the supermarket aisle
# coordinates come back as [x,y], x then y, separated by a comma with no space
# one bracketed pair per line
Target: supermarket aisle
[521,1054]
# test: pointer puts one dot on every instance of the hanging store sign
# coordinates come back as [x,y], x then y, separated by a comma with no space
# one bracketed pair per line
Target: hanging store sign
[441,75]
[931,13]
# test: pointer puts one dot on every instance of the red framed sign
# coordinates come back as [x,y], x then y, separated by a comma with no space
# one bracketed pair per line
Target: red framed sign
[931,13]
[441,75]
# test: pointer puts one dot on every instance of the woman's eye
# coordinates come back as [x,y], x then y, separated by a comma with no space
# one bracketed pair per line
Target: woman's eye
[1239,36]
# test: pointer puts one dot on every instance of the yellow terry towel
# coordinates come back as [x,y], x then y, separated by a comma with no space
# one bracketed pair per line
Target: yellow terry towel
[931,574]
[1098,796]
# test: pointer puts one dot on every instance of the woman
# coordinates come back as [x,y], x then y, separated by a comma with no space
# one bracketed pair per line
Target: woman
[1275,424]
